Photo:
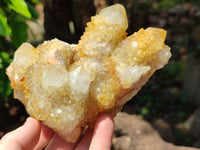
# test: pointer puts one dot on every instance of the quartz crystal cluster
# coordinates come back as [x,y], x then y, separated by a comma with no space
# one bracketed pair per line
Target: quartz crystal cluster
[68,87]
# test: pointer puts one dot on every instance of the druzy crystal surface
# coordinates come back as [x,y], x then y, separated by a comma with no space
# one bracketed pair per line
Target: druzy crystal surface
[68,87]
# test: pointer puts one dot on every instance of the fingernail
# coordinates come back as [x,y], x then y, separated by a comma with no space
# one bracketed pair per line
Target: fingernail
[27,120]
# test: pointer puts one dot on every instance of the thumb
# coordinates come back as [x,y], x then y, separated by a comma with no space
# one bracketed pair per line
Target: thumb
[25,137]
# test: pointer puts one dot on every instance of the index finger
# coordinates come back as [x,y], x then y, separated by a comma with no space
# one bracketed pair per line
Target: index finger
[25,137]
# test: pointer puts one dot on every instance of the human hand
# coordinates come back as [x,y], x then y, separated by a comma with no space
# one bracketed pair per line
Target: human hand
[34,135]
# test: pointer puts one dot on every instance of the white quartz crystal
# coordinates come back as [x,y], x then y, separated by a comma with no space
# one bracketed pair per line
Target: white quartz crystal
[128,74]
[79,81]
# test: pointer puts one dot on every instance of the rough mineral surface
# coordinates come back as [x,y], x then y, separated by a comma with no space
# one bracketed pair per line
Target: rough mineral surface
[68,86]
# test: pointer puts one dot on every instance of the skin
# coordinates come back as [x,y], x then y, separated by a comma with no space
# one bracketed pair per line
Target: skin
[34,135]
